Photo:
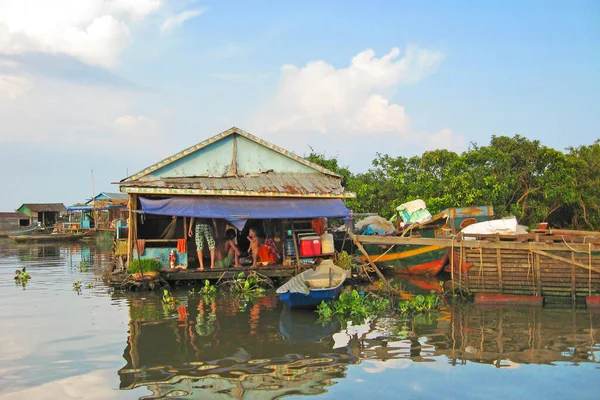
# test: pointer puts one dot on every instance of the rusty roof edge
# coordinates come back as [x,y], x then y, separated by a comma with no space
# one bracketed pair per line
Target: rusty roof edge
[217,137]
[232,193]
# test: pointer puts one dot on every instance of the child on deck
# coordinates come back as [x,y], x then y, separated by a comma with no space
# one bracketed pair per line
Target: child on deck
[227,251]
[254,245]
[262,251]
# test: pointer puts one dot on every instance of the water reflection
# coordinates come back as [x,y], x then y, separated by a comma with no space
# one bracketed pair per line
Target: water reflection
[61,344]
[223,348]
[219,346]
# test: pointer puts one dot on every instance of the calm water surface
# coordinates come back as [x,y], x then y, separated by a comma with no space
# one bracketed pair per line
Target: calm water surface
[60,343]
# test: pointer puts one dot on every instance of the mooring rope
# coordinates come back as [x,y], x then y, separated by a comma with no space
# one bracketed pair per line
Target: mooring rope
[530,271]
[589,252]
[381,255]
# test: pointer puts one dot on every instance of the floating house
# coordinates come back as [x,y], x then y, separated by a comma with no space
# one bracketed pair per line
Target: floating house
[46,214]
[98,212]
[12,221]
[238,179]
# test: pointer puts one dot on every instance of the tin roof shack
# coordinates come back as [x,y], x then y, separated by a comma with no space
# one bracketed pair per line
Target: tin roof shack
[12,221]
[47,214]
[105,211]
[234,177]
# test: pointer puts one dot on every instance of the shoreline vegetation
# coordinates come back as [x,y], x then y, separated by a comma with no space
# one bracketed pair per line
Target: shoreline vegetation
[516,175]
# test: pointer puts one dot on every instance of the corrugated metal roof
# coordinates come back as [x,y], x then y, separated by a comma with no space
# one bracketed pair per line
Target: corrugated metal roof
[121,196]
[48,207]
[12,215]
[291,184]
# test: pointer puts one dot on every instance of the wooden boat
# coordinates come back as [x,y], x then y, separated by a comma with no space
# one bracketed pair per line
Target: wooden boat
[47,237]
[28,230]
[418,259]
[311,287]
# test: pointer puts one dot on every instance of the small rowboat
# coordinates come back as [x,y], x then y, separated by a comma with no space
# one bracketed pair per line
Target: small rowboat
[311,287]
[47,237]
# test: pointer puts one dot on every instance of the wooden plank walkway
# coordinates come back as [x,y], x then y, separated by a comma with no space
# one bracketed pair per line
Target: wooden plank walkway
[271,271]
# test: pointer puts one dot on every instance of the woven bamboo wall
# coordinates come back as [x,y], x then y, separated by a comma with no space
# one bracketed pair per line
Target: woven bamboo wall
[526,272]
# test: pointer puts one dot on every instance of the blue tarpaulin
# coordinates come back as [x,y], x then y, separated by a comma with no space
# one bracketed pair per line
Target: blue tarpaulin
[243,208]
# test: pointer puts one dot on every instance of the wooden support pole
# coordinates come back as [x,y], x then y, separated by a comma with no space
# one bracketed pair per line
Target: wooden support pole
[538,273]
[185,237]
[566,260]
[499,264]
[130,234]
[573,277]
[537,268]
[377,271]
[296,250]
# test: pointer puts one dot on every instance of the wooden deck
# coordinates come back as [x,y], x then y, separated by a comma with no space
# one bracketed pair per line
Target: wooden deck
[271,271]
[123,279]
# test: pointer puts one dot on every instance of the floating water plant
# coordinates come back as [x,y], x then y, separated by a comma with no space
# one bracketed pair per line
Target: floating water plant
[77,287]
[169,300]
[353,306]
[344,260]
[22,277]
[208,289]
[420,304]
[83,266]
[251,284]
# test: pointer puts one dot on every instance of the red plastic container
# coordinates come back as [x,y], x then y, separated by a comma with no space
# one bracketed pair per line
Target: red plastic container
[310,246]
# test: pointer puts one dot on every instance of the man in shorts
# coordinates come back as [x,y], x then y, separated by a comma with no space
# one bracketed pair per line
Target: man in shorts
[204,231]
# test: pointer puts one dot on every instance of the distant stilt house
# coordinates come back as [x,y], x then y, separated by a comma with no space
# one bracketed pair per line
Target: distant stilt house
[239,180]
[11,221]
[99,212]
[47,214]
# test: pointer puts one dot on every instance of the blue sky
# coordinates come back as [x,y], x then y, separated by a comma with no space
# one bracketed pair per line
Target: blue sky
[114,86]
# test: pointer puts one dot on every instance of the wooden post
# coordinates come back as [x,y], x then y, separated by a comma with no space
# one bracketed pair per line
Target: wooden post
[185,237]
[537,268]
[499,265]
[377,271]
[296,250]
[573,278]
[132,226]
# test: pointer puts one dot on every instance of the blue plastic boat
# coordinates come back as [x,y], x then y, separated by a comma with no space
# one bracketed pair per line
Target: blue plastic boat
[311,287]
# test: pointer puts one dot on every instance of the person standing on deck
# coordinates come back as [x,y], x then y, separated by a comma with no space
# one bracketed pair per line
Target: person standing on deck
[204,231]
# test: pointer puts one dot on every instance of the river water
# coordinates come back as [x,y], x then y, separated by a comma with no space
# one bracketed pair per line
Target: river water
[60,342]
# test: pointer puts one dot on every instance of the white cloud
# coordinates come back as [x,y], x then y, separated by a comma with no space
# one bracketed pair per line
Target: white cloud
[178,19]
[12,86]
[92,118]
[445,139]
[138,125]
[350,110]
[97,384]
[93,31]
[319,97]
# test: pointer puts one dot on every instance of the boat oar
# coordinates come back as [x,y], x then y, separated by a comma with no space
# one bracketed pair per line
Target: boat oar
[377,271]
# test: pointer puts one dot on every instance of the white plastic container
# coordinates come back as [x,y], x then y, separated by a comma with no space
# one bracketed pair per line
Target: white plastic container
[327,246]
